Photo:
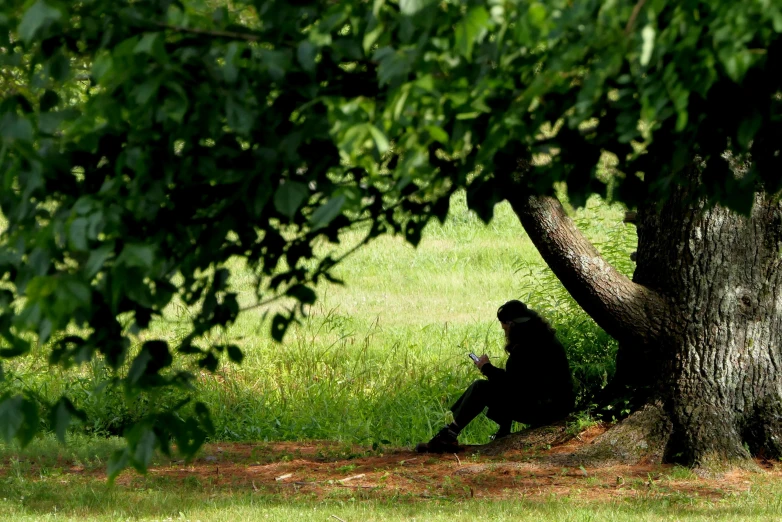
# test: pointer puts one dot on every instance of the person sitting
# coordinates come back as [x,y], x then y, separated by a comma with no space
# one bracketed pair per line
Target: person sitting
[535,388]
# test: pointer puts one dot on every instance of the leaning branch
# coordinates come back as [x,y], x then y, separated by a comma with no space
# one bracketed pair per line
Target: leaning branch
[634,16]
[629,312]
[231,35]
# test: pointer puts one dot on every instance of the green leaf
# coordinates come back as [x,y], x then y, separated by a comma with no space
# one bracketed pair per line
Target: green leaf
[537,15]
[48,101]
[61,419]
[137,254]
[117,462]
[736,62]
[16,127]
[61,415]
[302,293]
[235,354]
[204,417]
[153,357]
[437,133]
[139,366]
[39,16]
[60,68]
[306,53]
[230,71]
[176,103]
[18,419]
[240,119]
[471,29]
[209,362]
[392,65]
[77,234]
[75,291]
[748,127]
[647,35]
[146,44]
[371,36]
[147,90]
[144,449]
[102,65]
[401,102]
[289,197]
[276,62]
[381,142]
[280,325]
[11,416]
[96,260]
[51,122]
[411,7]
[326,213]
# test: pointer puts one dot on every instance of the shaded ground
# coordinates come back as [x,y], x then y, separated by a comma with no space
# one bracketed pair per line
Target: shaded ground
[326,469]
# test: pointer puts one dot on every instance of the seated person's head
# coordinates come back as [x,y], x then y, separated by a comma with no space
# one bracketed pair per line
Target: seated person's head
[520,322]
[514,313]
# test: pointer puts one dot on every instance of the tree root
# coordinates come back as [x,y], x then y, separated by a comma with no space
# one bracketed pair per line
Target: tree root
[533,438]
[645,437]
[640,438]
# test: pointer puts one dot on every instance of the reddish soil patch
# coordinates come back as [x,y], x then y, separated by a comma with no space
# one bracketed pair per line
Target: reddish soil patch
[327,469]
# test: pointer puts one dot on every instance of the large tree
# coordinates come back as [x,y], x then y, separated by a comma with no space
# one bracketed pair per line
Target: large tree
[144,143]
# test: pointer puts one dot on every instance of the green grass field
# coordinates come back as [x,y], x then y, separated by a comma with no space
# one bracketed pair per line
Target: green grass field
[378,360]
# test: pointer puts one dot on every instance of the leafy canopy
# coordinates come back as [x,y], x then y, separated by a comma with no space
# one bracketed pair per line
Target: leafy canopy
[145,143]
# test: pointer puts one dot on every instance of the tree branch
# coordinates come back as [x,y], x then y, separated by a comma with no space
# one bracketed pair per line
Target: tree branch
[217,34]
[633,16]
[629,312]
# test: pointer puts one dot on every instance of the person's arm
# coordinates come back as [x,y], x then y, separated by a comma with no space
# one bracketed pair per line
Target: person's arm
[493,373]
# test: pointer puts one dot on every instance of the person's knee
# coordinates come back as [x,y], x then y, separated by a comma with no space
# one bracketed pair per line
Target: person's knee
[486,392]
[481,386]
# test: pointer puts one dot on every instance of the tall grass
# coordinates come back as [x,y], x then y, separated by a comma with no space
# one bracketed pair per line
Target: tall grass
[381,358]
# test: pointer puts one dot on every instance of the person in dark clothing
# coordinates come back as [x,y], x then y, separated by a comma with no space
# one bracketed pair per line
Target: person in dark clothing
[535,388]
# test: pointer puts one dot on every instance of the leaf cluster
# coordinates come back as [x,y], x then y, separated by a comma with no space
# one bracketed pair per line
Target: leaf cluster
[145,143]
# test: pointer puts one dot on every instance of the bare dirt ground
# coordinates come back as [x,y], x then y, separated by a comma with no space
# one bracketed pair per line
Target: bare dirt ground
[327,469]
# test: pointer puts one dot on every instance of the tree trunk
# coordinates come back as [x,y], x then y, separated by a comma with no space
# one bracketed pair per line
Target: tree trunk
[699,325]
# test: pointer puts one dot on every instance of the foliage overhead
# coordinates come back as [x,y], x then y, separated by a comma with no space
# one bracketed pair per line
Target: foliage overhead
[144,143]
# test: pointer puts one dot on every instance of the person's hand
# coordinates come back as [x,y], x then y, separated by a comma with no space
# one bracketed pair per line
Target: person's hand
[483,359]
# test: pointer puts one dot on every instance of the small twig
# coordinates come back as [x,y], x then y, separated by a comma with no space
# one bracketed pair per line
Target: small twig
[255,488]
[457,459]
[283,477]
[351,478]
[218,34]
[633,16]
[335,516]
[408,460]
[409,477]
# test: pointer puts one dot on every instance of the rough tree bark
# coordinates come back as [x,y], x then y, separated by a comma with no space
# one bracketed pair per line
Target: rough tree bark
[699,325]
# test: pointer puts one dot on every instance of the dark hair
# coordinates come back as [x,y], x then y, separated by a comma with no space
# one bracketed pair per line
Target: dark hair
[525,325]
[514,309]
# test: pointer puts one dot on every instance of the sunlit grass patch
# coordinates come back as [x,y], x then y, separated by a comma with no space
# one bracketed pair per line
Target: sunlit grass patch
[380,358]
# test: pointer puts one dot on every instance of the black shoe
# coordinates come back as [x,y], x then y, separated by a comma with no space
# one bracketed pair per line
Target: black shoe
[444,442]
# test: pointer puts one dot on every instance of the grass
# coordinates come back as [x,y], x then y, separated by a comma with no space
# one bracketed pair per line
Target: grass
[377,360]
[381,358]
[40,484]
[38,488]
